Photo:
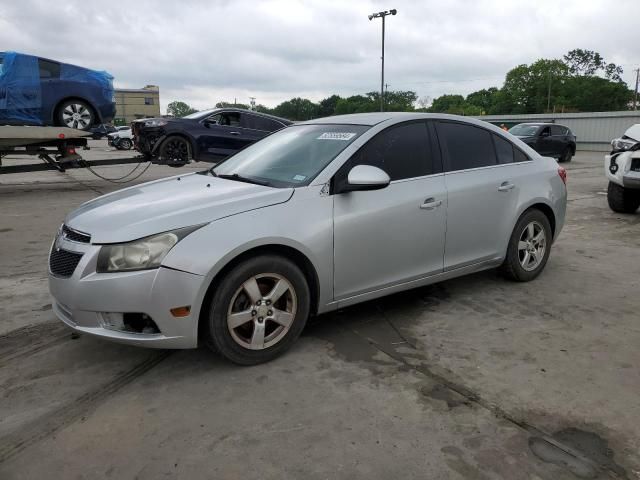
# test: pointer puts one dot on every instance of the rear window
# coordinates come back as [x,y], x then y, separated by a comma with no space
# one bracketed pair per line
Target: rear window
[260,123]
[558,130]
[504,150]
[468,146]
[48,69]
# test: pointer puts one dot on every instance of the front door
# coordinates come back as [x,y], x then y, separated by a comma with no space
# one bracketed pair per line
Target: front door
[222,135]
[396,234]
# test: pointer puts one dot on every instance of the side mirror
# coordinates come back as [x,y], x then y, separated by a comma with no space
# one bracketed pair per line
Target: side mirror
[545,133]
[207,123]
[366,177]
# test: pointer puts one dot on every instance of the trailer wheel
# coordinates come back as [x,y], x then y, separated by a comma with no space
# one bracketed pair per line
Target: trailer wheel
[75,114]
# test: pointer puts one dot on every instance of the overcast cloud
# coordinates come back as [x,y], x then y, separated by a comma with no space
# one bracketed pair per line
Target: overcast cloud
[203,52]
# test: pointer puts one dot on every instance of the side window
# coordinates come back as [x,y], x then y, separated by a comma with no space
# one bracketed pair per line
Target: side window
[148,100]
[545,132]
[557,130]
[520,156]
[259,123]
[504,150]
[48,70]
[468,146]
[402,151]
[226,119]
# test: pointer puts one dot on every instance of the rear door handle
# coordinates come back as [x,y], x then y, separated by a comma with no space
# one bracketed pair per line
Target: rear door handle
[430,204]
[234,133]
[506,186]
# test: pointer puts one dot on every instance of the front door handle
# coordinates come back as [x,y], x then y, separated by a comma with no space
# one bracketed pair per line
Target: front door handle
[234,133]
[506,186]
[430,204]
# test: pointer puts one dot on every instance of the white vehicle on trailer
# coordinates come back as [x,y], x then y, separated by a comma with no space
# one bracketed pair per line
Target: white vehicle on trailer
[622,167]
[122,139]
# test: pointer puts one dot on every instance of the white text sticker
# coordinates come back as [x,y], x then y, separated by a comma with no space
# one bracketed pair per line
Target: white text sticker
[346,136]
[299,178]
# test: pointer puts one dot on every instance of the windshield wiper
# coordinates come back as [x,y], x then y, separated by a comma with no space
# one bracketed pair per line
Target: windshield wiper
[240,178]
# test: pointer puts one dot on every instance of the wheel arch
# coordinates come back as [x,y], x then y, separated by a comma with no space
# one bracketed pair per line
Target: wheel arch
[299,258]
[546,210]
[96,112]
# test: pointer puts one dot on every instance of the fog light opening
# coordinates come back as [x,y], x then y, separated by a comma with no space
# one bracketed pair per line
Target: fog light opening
[139,323]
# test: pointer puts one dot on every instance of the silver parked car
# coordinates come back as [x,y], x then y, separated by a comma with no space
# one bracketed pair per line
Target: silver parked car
[317,216]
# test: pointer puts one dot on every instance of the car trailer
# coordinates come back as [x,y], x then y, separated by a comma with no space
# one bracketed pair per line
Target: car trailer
[57,147]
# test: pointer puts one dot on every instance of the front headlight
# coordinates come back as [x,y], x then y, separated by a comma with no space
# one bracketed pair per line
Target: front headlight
[155,122]
[142,254]
[622,144]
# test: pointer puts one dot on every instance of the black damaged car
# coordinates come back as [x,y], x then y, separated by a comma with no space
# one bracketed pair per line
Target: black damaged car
[210,135]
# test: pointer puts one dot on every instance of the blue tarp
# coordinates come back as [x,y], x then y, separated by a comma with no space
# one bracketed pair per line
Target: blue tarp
[21,89]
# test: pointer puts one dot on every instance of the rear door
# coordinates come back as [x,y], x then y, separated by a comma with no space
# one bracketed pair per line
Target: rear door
[396,234]
[482,193]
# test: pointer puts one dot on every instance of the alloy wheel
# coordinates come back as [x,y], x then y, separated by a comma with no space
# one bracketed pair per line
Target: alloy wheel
[262,311]
[176,150]
[76,115]
[532,246]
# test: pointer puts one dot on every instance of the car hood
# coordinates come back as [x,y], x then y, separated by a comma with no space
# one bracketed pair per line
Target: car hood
[633,132]
[167,204]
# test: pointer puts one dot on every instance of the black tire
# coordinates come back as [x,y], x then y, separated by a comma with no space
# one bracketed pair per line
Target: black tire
[125,144]
[623,200]
[76,114]
[216,333]
[512,266]
[566,155]
[175,151]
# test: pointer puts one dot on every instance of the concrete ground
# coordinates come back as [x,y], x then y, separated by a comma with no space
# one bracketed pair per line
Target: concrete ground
[476,377]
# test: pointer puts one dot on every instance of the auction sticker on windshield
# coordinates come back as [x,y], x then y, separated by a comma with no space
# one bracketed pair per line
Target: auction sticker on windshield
[346,136]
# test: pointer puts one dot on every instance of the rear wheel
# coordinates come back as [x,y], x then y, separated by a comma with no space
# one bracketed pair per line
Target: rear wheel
[566,155]
[175,151]
[258,310]
[622,200]
[529,247]
[75,114]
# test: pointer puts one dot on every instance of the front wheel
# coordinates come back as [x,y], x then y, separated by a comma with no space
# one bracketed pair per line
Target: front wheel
[258,310]
[124,144]
[529,247]
[175,151]
[622,200]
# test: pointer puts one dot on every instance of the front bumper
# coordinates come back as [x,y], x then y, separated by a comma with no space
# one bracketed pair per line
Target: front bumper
[85,299]
[623,169]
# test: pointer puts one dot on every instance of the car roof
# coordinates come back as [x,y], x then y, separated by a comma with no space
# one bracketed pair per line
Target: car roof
[244,110]
[374,118]
[539,124]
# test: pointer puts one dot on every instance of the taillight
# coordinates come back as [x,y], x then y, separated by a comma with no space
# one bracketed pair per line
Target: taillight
[563,174]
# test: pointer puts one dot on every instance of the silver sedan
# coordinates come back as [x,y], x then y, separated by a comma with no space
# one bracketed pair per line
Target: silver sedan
[317,216]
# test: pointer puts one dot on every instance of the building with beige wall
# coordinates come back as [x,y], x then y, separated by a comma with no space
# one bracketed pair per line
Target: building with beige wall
[132,104]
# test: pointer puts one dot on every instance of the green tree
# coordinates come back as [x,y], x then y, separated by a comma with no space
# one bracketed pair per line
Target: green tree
[589,63]
[327,106]
[448,104]
[179,109]
[297,109]
[485,99]
[232,105]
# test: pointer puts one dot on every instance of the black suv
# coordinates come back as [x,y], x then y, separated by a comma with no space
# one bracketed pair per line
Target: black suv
[548,139]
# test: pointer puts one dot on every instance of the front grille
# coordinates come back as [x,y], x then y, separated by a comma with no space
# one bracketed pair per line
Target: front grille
[63,263]
[635,164]
[75,236]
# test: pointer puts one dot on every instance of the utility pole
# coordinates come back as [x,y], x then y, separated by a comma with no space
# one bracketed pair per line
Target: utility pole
[635,95]
[371,17]
[549,93]
[386,91]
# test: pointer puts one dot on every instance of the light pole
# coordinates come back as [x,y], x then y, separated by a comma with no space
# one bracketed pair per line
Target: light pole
[371,17]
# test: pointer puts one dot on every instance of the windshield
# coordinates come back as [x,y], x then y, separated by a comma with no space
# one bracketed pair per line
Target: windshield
[291,157]
[523,130]
[200,114]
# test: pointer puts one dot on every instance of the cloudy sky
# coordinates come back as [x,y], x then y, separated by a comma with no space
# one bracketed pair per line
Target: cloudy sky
[205,51]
